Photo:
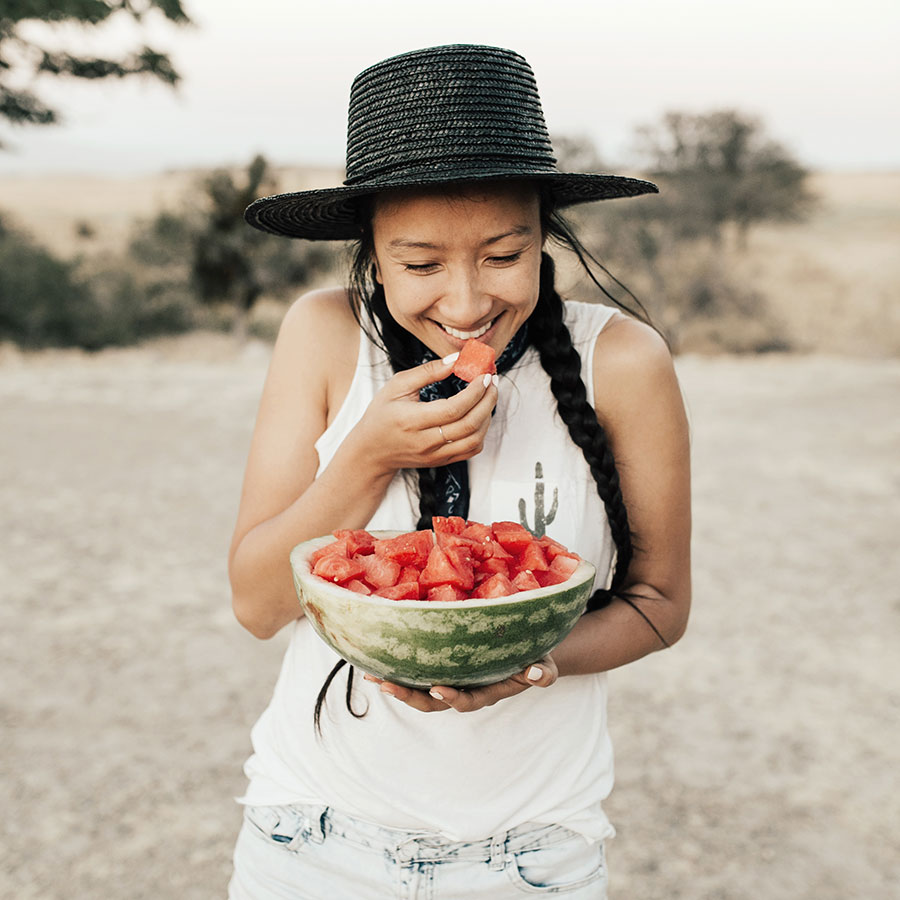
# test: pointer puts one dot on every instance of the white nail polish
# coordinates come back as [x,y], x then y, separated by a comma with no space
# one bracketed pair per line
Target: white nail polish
[486,380]
[534,674]
[436,695]
[496,380]
[452,358]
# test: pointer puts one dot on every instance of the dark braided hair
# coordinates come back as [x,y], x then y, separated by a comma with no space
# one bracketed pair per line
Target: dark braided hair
[550,336]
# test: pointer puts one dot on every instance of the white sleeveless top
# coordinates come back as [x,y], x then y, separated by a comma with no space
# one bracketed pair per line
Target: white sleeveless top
[542,756]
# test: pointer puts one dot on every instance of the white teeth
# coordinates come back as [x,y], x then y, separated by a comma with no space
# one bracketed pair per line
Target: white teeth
[466,335]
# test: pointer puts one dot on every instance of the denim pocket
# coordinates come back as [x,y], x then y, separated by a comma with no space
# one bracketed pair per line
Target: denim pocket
[561,863]
[282,825]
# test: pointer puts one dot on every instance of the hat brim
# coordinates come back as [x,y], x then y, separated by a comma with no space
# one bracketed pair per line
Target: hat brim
[332,214]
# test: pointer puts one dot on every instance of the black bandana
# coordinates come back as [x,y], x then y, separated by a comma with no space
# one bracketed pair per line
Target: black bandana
[452,481]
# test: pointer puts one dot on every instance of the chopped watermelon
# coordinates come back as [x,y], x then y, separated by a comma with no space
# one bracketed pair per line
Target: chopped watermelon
[492,566]
[532,557]
[448,524]
[564,564]
[358,540]
[446,593]
[458,560]
[409,573]
[336,548]
[475,358]
[357,586]
[338,569]
[495,586]
[512,536]
[380,571]
[475,531]
[406,590]
[551,548]
[442,570]
[525,581]
[498,552]
[410,549]
[475,549]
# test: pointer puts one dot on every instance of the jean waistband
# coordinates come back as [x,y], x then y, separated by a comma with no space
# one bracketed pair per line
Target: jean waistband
[410,846]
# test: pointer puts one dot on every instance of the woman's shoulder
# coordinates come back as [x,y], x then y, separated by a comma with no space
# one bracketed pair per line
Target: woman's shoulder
[321,315]
[585,320]
[631,363]
[318,345]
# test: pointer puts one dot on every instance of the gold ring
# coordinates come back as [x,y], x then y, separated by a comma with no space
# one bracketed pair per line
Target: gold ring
[444,436]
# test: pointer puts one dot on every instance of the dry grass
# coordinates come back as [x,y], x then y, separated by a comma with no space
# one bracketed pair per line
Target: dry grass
[832,284]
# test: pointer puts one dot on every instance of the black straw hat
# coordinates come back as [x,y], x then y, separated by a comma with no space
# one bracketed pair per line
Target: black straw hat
[442,115]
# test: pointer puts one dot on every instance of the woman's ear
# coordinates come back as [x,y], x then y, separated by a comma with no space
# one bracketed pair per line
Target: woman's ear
[377,269]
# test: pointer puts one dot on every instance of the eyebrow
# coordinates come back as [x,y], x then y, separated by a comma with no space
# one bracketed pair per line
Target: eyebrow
[405,244]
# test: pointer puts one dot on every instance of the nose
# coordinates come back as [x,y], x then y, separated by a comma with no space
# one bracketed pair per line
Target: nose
[466,301]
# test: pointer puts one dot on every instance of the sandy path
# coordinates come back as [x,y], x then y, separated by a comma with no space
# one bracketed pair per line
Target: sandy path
[756,759]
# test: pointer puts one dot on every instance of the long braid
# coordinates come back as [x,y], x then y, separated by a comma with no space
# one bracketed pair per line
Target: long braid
[560,360]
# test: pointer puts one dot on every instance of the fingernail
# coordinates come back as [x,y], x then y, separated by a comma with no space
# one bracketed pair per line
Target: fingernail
[496,380]
[436,694]
[534,674]
[386,690]
[452,358]
[486,381]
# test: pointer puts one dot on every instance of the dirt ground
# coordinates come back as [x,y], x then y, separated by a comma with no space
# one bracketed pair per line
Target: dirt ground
[756,759]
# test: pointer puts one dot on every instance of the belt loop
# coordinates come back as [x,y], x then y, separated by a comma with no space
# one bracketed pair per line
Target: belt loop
[498,853]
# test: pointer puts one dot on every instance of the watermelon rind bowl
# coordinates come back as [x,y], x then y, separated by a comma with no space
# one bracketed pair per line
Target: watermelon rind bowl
[420,643]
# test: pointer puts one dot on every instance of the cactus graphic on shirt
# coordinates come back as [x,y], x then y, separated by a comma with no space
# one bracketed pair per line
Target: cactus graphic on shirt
[541,519]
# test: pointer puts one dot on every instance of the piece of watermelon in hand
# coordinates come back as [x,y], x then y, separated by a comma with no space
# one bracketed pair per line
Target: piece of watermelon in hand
[475,359]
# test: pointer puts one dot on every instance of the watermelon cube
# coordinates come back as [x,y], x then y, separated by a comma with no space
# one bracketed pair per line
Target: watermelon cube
[338,569]
[357,586]
[410,549]
[475,358]
[512,536]
[495,586]
[447,524]
[380,571]
[445,593]
[532,557]
[406,590]
[358,541]
[525,581]
[441,570]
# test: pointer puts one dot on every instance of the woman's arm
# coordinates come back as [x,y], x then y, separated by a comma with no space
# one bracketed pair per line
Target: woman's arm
[639,404]
[283,502]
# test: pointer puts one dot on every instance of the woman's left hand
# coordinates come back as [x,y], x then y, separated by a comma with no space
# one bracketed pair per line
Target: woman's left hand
[543,673]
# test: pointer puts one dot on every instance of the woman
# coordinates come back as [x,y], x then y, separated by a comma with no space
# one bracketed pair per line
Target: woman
[451,197]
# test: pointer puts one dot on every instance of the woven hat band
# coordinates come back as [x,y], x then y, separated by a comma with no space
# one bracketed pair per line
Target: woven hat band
[476,106]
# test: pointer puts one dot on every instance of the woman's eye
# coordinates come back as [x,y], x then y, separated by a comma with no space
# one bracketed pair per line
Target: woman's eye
[420,267]
[505,259]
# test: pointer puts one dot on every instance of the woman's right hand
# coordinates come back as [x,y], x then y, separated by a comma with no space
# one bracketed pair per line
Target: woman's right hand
[400,431]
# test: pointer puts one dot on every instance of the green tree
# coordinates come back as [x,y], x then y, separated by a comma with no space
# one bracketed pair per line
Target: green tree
[719,168]
[24,61]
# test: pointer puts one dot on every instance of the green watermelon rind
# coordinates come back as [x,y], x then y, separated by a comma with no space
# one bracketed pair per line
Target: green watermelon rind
[417,643]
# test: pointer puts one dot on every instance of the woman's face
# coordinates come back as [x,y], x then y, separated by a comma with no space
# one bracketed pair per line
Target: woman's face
[459,264]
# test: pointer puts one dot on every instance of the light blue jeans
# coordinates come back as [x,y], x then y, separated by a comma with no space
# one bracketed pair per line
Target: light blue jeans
[315,853]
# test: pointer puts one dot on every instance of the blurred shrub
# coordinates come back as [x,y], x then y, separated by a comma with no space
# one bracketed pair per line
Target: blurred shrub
[719,175]
[209,250]
[42,300]
[49,302]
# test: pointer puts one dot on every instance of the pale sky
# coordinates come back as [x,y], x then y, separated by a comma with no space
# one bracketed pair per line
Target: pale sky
[273,76]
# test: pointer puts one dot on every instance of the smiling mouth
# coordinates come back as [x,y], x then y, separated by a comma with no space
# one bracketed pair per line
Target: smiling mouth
[467,335]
